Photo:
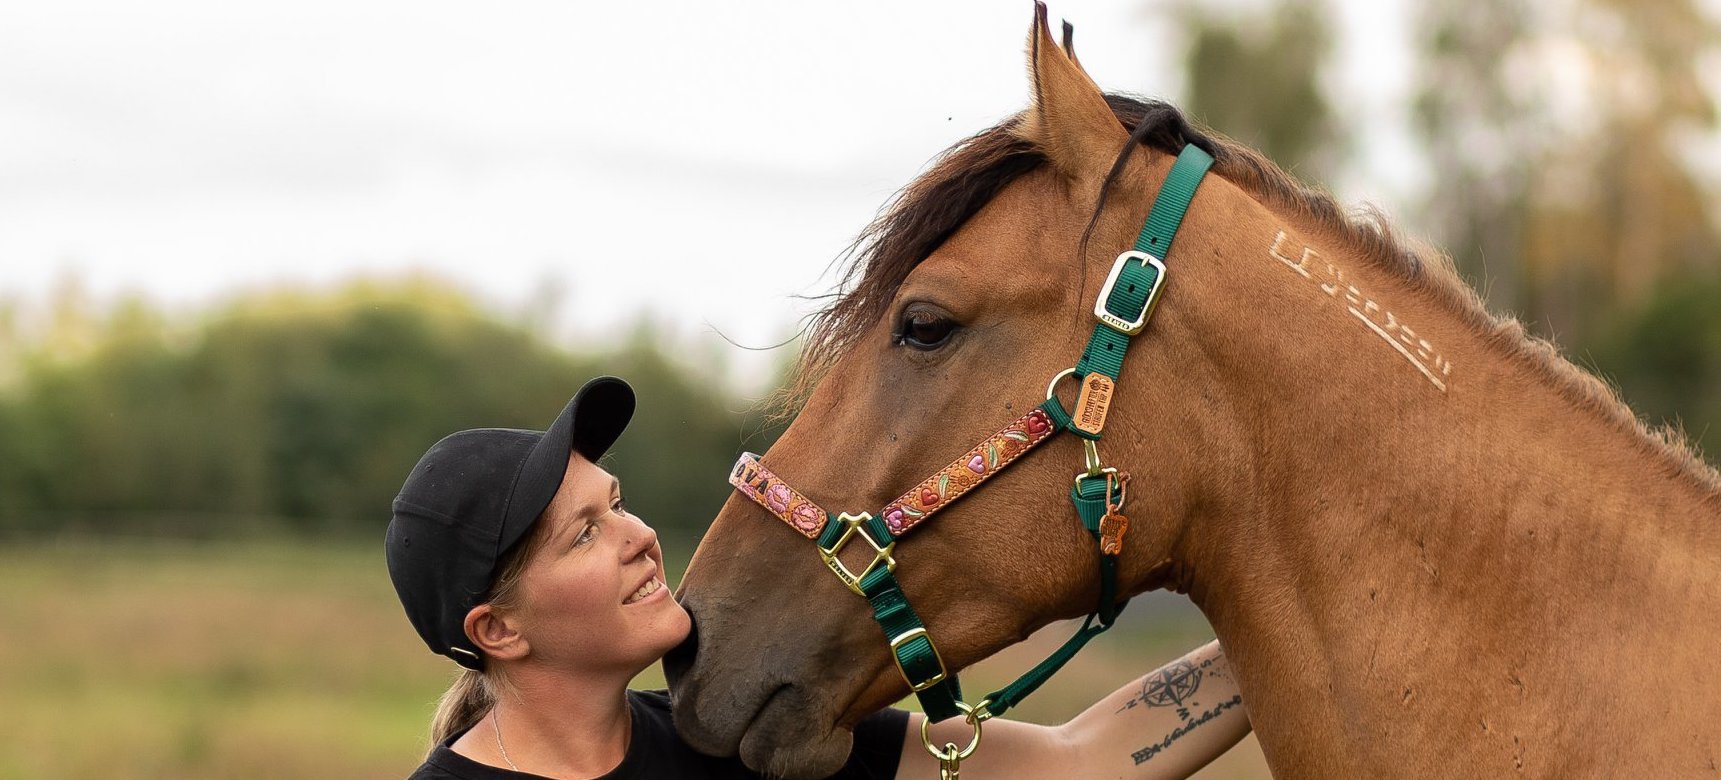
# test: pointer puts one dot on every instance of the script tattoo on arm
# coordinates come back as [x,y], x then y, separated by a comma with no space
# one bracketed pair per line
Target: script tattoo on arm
[1175,685]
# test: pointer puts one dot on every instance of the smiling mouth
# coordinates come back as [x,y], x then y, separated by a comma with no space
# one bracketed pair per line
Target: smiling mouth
[651,586]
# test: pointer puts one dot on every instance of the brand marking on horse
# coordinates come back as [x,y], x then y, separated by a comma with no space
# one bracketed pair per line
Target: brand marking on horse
[1399,336]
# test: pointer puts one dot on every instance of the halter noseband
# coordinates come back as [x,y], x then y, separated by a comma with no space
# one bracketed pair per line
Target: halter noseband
[1123,306]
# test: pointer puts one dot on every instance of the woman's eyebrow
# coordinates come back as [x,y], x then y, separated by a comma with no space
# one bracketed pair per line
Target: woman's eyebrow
[591,512]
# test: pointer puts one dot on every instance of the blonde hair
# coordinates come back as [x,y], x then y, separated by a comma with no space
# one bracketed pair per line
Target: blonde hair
[473,694]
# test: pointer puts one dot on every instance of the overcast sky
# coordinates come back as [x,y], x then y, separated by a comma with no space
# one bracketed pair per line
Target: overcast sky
[704,161]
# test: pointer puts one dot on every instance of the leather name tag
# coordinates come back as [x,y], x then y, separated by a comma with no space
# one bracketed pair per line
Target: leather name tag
[1094,402]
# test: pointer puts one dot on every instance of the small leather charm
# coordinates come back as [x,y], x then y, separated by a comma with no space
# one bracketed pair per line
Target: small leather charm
[1113,525]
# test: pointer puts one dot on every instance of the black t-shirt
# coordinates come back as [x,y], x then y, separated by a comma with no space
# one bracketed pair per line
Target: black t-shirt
[655,751]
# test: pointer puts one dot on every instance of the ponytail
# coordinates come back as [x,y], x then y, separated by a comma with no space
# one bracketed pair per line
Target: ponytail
[467,701]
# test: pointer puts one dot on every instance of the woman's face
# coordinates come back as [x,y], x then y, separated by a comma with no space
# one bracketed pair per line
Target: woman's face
[594,596]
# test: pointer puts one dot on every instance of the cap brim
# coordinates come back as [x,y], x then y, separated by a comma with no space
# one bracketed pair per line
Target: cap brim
[589,424]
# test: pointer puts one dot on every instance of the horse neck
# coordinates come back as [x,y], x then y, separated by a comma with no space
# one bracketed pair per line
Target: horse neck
[1398,512]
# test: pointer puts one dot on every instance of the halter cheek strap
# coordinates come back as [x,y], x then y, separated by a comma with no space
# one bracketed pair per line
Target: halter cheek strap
[1124,304]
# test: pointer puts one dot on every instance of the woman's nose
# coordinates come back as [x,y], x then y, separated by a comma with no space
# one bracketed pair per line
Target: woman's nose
[640,538]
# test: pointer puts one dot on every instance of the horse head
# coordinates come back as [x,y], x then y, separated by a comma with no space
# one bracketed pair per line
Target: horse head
[975,290]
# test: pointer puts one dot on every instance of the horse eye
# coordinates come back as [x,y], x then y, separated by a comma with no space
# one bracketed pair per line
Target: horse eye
[924,330]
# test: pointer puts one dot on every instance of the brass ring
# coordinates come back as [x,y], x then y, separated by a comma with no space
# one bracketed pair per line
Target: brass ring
[1056,378]
[974,742]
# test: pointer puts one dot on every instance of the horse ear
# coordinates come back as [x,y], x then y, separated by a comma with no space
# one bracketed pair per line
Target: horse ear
[1070,45]
[1069,119]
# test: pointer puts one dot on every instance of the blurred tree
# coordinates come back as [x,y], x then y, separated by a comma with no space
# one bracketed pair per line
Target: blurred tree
[675,460]
[303,412]
[1257,78]
[1557,134]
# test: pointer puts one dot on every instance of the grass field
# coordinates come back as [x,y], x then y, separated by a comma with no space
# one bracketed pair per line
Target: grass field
[292,660]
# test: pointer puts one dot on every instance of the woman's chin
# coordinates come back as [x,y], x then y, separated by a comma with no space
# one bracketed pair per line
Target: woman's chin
[670,629]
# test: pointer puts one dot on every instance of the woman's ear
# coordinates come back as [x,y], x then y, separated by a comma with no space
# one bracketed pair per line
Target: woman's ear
[495,634]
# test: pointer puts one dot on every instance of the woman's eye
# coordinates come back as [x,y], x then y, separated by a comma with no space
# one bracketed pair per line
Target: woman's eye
[587,534]
[924,330]
[619,506]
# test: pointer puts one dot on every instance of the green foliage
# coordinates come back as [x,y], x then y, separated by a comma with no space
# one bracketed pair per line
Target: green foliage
[303,412]
[1559,137]
[675,458]
[1260,83]
[1666,358]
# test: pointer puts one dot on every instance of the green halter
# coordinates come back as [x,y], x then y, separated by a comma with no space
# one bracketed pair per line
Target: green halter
[1123,306]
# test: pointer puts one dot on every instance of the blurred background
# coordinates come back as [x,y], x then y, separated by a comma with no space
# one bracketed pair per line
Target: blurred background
[255,259]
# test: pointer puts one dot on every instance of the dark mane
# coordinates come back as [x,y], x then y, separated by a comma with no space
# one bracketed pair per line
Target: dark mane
[931,208]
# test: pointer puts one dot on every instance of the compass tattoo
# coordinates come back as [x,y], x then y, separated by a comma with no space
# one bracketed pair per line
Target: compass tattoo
[1171,686]
[1175,685]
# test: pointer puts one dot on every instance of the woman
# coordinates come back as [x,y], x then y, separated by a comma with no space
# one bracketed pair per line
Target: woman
[514,555]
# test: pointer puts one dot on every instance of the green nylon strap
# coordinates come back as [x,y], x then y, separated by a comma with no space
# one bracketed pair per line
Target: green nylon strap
[918,658]
[1106,348]
[828,537]
[1060,418]
[1173,200]
[1000,701]
[879,532]
[873,527]
[1089,497]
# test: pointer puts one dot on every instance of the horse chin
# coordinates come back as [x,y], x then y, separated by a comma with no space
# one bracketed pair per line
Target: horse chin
[783,741]
[787,736]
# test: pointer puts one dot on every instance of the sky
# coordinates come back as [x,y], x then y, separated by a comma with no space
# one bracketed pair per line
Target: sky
[703,162]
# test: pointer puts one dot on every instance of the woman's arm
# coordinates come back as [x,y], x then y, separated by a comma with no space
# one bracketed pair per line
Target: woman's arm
[1167,724]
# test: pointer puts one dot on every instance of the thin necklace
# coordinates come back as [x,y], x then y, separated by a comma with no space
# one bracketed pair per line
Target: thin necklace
[496,726]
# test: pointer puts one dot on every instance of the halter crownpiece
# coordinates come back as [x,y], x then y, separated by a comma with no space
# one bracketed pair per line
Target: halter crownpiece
[1123,307]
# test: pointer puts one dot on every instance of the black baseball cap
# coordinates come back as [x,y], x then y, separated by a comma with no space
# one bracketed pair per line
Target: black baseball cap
[473,497]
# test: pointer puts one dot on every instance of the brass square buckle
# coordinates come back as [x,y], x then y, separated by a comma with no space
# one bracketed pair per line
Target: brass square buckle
[852,527]
[904,638]
[1119,324]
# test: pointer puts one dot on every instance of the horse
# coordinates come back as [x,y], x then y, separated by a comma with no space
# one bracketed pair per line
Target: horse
[1428,544]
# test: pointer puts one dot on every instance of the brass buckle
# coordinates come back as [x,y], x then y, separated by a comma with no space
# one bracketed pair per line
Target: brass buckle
[904,638]
[1119,324]
[880,554]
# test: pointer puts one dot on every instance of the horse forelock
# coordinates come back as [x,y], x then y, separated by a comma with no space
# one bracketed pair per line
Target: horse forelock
[926,212]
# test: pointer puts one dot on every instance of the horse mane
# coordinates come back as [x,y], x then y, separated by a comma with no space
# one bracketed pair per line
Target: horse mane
[926,212]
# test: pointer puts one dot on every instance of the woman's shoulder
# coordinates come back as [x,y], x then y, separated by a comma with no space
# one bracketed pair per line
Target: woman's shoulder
[445,764]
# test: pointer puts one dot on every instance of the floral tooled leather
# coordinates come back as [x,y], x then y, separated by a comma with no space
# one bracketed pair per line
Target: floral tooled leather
[967,472]
[770,491]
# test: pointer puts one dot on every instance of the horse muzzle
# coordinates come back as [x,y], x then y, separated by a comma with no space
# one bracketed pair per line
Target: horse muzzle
[746,702]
